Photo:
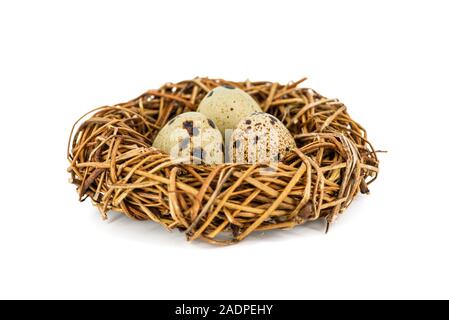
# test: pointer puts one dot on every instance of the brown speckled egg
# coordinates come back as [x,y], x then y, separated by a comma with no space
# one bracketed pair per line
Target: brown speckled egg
[261,138]
[226,106]
[193,137]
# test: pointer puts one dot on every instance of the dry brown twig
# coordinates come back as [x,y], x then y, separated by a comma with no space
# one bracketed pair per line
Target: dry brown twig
[113,163]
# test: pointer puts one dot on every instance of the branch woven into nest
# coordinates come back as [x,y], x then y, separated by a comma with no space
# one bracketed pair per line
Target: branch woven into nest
[113,163]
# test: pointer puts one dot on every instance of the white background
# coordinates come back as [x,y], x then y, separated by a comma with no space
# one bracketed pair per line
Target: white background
[387,60]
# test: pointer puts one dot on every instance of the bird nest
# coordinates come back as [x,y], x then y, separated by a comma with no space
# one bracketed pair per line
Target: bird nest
[113,163]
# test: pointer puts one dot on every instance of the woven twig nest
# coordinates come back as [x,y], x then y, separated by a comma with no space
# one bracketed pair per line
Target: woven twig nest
[112,162]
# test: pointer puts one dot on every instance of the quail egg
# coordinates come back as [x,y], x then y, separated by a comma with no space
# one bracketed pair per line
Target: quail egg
[261,138]
[193,137]
[227,105]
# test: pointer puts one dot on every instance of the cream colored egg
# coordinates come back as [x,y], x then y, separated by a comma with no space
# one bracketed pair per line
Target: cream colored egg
[227,105]
[193,137]
[261,138]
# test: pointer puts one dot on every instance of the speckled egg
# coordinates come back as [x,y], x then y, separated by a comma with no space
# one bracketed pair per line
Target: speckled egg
[227,105]
[261,138]
[193,137]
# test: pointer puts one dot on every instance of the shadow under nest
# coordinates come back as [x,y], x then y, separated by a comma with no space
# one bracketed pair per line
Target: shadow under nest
[112,162]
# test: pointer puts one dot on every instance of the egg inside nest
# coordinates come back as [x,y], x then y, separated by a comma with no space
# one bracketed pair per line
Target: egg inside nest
[192,138]
[260,138]
[227,105]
